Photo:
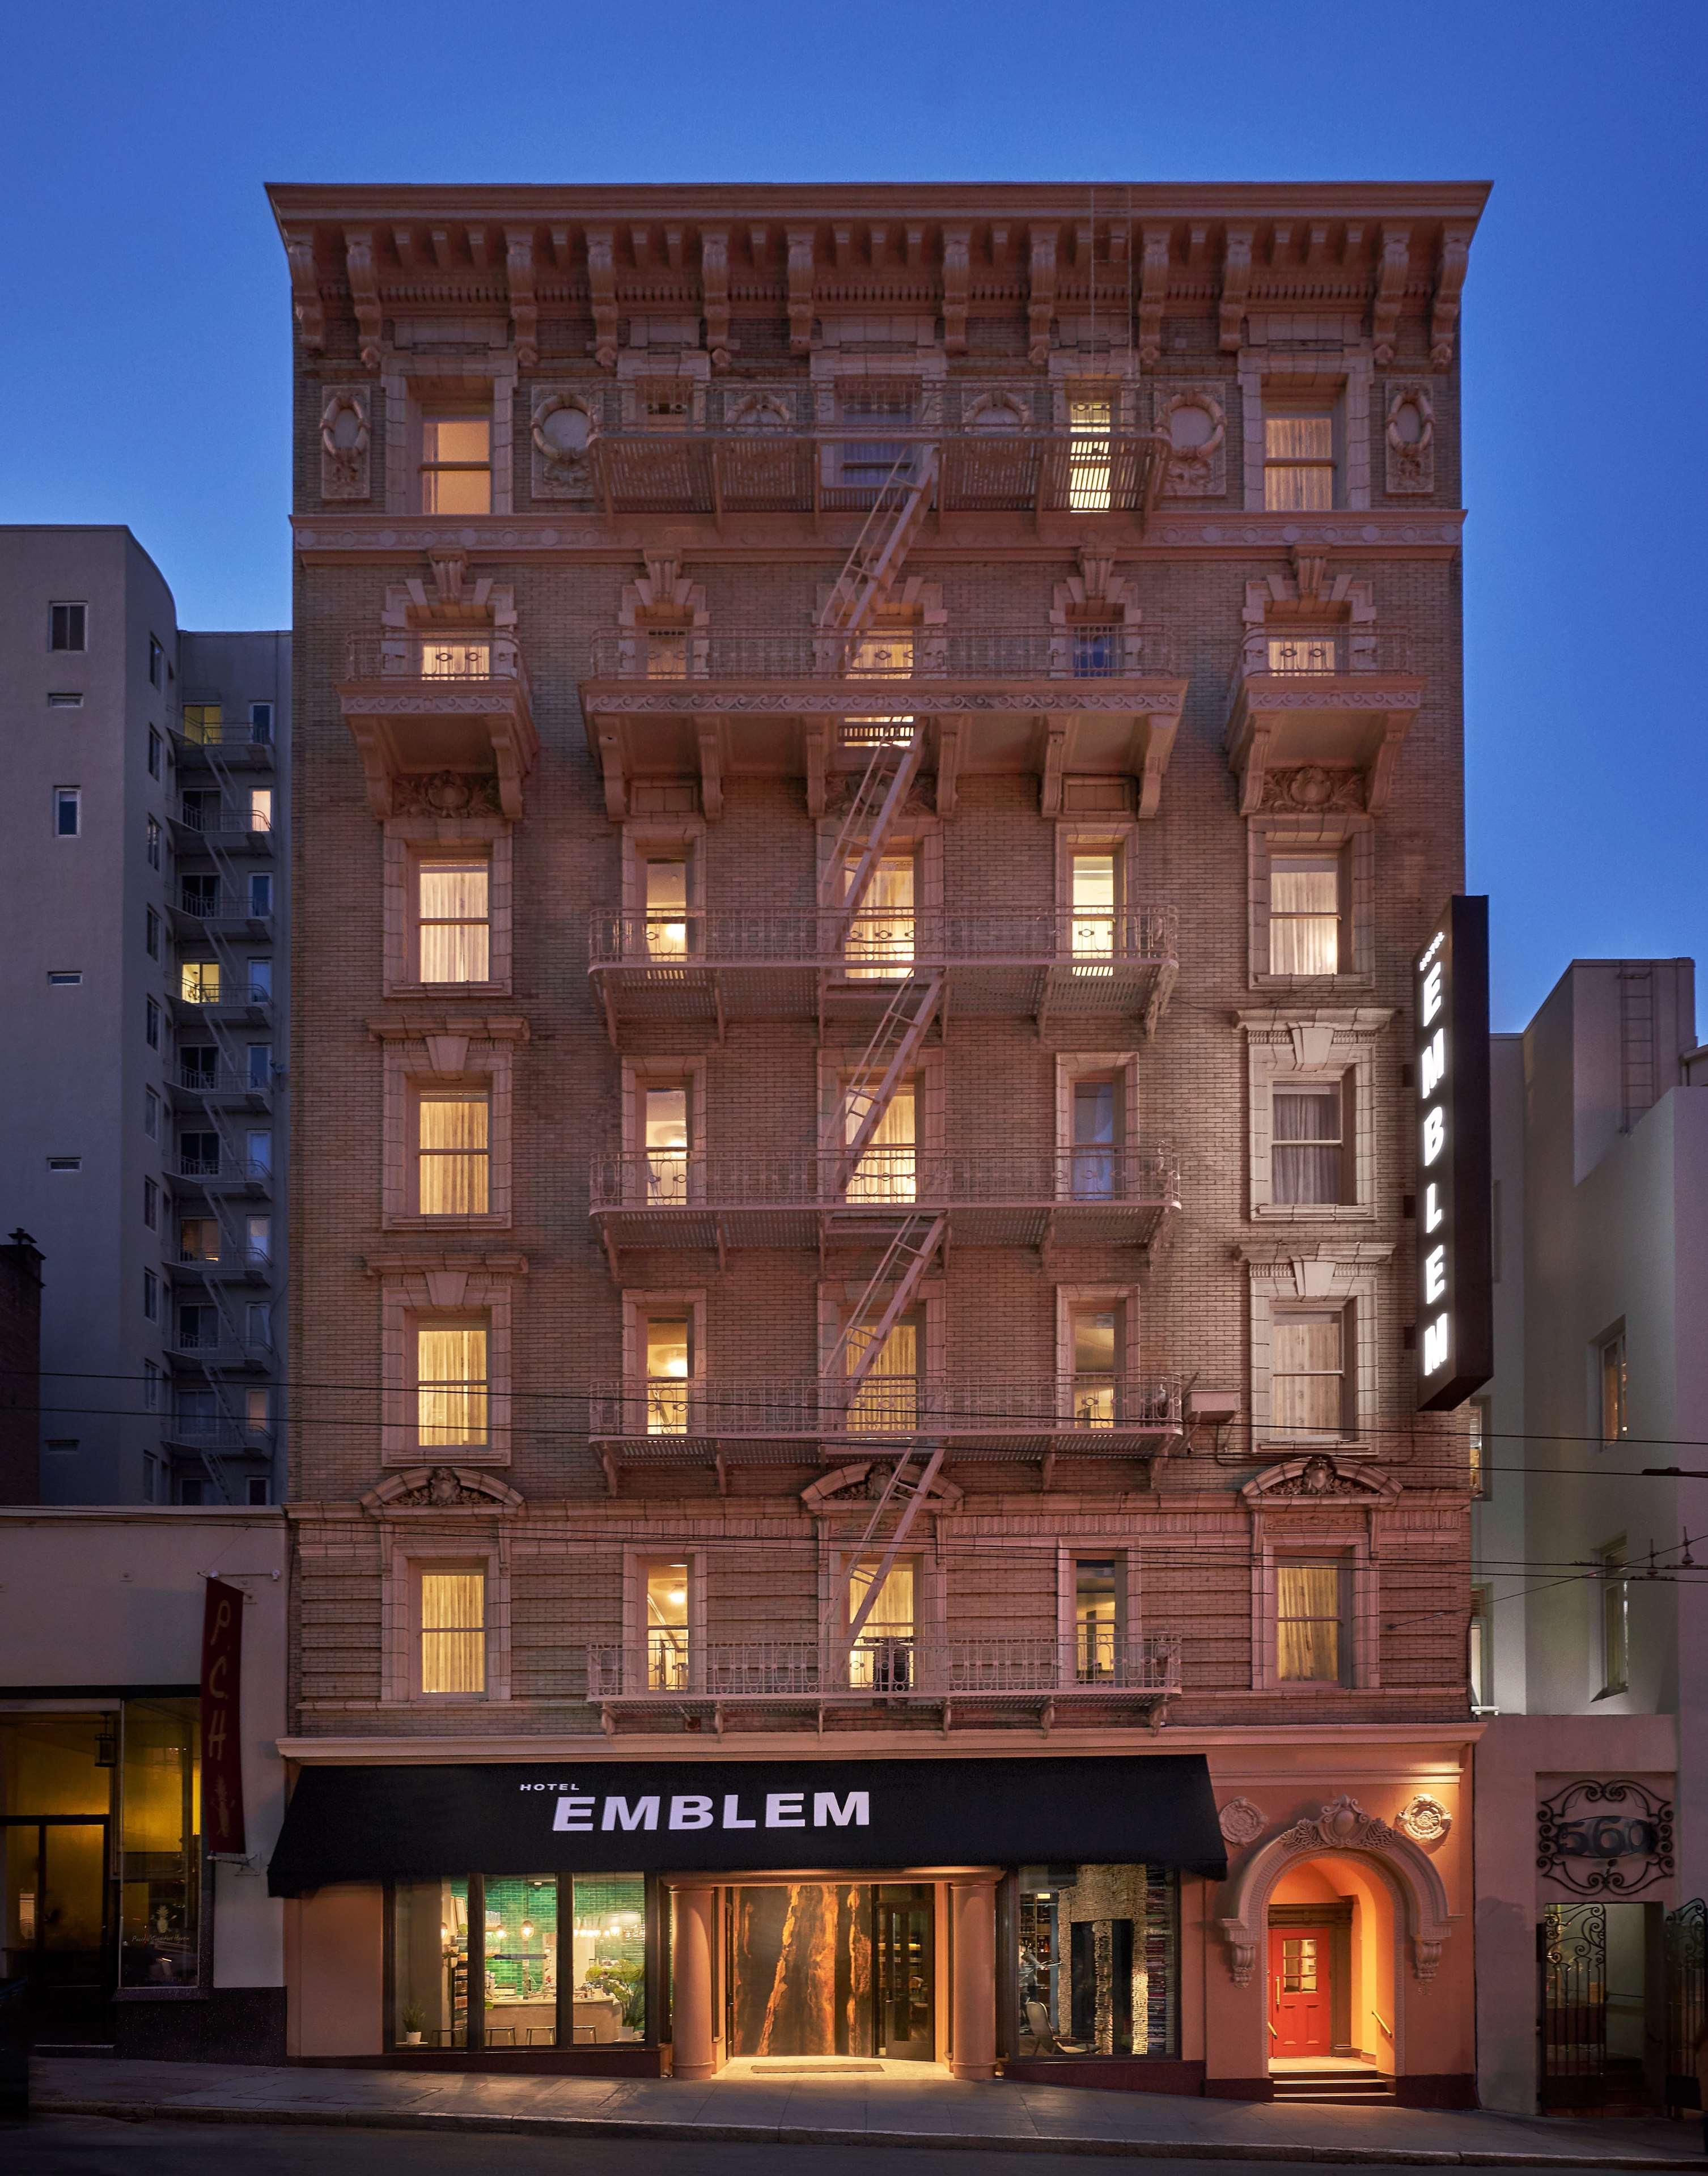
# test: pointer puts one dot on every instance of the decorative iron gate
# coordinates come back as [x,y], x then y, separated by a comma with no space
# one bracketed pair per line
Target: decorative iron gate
[1687,1999]
[1572,1970]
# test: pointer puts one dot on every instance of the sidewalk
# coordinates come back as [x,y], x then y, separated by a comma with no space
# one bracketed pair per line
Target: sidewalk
[933,2110]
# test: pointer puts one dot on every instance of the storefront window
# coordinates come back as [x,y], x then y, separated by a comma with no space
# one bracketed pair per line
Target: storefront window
[609,1937]
[1099,1961]
[522,1961]
[430,1963]
[56,1791]
[160,1845]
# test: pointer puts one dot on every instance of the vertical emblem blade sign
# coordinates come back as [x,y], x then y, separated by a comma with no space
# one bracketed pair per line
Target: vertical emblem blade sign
[1455,1299]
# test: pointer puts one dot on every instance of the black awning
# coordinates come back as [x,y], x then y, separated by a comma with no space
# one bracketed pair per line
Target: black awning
[407,1823]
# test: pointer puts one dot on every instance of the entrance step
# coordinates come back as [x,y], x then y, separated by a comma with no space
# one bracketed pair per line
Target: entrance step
[1363,2087]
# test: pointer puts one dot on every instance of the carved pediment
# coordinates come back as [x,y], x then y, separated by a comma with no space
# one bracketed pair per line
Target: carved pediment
[1318,1477]
[442,1488]
[852,1488]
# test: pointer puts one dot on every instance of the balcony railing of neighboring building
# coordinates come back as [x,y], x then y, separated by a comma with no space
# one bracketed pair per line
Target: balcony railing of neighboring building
[221,1082]
[885,660]
[881,1666]
[220,906]
[1018,1416]
[225,1170]
[221,1437]
[1081,1194]
[450,702]
[202,734]
[725,964]
[230,998]
[217,826]
[223,1347]
[234,1261]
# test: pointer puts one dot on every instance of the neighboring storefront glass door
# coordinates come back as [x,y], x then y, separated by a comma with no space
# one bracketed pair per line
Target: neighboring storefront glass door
[904,1975]
[1098,1961]
[56,1916]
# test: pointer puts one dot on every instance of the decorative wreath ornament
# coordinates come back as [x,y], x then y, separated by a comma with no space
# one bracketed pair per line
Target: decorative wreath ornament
[1194,458]
[1411,450]
[345,457]
[563,459]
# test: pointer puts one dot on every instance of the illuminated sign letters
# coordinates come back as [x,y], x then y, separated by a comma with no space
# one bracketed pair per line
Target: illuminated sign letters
[1455,1327]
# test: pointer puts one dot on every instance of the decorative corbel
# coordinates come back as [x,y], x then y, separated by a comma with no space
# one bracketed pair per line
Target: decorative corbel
[449,572]
[1159,746]
[1310,574]
[1391,266]
[957,274]
[611,764]
[364,292]
[817,736]
[709,734]
[447,1054]
[1055,763]
[1040,297]
[951,752]
[525,310]
[1236,281]
[1153,294]
[1443,306]
[1256,764]
[714,292]
[800,240]
[1380,785]
[602,285]
[305,292]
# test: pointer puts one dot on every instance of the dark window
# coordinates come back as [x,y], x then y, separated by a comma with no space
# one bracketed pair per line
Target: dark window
[261,722]
[68,626]
[155,746]
[156,658]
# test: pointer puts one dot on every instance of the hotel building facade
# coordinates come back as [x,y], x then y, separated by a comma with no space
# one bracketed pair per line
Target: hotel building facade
[871,768]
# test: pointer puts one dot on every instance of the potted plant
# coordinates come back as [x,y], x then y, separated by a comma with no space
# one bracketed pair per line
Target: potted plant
[414,2022]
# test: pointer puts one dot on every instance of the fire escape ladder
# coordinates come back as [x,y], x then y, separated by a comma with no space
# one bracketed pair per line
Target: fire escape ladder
[915,1494]
[905,1262]
[887,1059]
[898,510]
[874,809]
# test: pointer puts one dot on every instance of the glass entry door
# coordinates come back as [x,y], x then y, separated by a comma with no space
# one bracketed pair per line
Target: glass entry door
[904,1974]
[56,1922]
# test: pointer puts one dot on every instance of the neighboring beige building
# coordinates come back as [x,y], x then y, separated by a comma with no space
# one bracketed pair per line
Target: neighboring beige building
[871,767]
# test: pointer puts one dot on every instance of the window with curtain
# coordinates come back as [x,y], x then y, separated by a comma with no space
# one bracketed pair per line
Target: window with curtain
[1094,886]
[667,1359]
[453,1631]
[1308,1381]
[1298,462]
[667,653]
[879,943]
[1093,1152]
[1307,1145]
[453,921]
[1308,1630]
[453,1152]
[455,659]
[1089,420]
[664,1119]
[883,1656]
[888,1169]
[450,1383]
[888,1397]
[1303,653]
[1095,1335]
[1304,914]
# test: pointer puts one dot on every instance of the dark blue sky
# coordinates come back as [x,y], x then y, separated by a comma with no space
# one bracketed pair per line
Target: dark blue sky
[144,355]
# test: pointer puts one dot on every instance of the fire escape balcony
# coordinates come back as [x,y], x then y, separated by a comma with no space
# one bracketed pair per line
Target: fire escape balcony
[1095,702]
[1092,968]
[453,714]
[753,1680]
[797,1421]
[217,908]
[192,1083]
[1315,722]
[1079,477]
[1070,1197]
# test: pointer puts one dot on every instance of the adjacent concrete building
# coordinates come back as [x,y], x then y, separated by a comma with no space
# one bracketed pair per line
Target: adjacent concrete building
[1590,1631]
[144,880]
[876,763]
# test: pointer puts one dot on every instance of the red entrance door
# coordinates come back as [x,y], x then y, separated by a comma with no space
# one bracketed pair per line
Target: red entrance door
[1299,2003]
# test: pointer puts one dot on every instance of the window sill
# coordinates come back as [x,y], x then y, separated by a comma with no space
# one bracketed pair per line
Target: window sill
[495,1220]
[1315,1212]
[159,1994]
[1305,985]
[446,993]
[483,1455]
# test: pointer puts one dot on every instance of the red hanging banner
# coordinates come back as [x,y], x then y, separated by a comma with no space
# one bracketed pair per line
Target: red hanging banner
[222,1737]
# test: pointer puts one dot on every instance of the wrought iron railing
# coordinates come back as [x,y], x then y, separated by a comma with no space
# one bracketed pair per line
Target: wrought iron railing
[653,1178]
[220,904]
[879,1663]
[1083,1406]
[1323,654]
[1091,939]
[220,1080]
[456,662]
[235,1168]
[887,659]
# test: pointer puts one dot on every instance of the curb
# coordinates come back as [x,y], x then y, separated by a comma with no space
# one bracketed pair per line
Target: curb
[770,2134]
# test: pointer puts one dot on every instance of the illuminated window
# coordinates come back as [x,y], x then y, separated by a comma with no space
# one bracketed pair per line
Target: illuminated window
[453,1152]
[887,1399]
[666,878]
[198,981]
[1615,1418]
[450,1364]
[667,654]
[665,404]
[1477,1447]
[1298,461]
[453,921]
[453,1606]
[665,1587]
[1308,1144]
[1097,1618]
[1304,914]
[1308,1381]
[664,1121]
[1089,420]
[204,723]
[879,943]
[668,1357]
[260,807]
[888,1165]
[198,1239]
[1479,1657]
[456,464]
[1612,1566]
[881,1660]
[1303,653]
[1309,1629]
[1095,884]
[456,661]
[1095,1335]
